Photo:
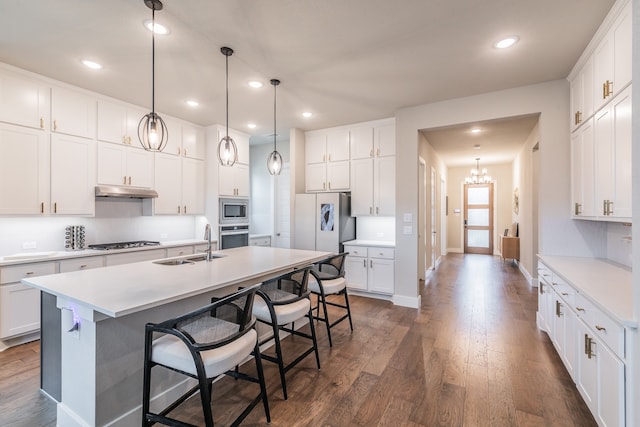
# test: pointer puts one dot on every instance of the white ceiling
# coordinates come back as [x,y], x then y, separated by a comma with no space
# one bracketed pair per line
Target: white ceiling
[346,61]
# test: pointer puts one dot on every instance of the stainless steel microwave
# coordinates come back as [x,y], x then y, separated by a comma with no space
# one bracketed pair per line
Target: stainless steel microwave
[234,211]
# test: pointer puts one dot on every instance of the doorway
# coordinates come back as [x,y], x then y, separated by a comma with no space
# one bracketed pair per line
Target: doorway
[478,219]
[282,214]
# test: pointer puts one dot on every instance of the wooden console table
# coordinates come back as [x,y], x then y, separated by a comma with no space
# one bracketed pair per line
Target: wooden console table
[510,247]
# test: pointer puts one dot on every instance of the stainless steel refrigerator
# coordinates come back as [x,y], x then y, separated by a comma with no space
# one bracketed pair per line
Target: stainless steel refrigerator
[323,221]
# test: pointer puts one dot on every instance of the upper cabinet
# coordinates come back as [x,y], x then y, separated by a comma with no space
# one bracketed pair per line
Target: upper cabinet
[612,60]
[234,180]
[24,170]
[122,165]
[118,123]
[73,175]
[23,101]
[193,142]
[73,113]
[581,87]
[327,160]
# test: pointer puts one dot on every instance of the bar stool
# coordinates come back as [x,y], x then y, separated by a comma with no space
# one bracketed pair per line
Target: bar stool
[327,278]
[204,344]
[282,301]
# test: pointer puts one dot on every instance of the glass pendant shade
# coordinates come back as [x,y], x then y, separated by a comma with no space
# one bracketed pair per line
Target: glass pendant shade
[227,148]
[152,131]
[274,162]
[478,176]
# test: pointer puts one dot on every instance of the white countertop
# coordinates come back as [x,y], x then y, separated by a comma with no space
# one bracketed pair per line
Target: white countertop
[58,255]
[378,243]
[604,283]
[124,289]
[258,236]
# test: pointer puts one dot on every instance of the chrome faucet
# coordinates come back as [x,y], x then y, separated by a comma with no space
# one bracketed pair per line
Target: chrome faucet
[207,237]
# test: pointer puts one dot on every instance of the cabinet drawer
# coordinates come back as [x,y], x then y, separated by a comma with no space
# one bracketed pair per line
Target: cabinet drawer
[182,250]
[564,290]
[202,248]
[68,265]
[130,257]
[19,310]
[357,251]
[387,253]
[18,272]
[260,241]
[544,273]
[607,329]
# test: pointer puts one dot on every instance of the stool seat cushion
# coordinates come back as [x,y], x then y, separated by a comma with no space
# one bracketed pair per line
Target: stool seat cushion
[170,351]
[285,313]
[332,286]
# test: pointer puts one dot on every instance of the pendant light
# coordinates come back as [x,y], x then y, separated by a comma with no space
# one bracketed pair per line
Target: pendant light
[227,149]
[478,176]
[274,162]
[152,131]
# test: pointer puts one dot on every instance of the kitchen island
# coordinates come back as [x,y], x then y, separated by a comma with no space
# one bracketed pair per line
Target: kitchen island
[103,313]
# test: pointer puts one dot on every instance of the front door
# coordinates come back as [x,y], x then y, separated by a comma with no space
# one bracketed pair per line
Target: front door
[478,218]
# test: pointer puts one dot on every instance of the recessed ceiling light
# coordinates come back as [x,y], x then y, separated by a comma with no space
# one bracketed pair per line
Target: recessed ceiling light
[476,147]
[91,64]
[251,125]
[159,29]
[192,103]
[255,84]
[307,114]
[506,42]
[475,130]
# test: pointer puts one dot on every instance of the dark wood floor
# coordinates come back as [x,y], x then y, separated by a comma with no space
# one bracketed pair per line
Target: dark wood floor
[471,356]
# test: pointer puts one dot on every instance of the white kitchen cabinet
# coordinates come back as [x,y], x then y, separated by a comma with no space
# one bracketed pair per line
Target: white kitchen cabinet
[23,101]
[20,304]
[327,160]
[373,178]
[193,144]
[581,98]
[79,264]
[73,113]
[118,123]
[123,165]
[180,185]
[24,170]
[233,180]
[260,241]
[134,256]
[370,269]
[73,175]
[564,333]
[179,251]
[613,159]
[583,172]
[612,60]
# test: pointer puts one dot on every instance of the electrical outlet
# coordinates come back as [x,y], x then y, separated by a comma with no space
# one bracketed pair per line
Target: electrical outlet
[29,245]
[163,235]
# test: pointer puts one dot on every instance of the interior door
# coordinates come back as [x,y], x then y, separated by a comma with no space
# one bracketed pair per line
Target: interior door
[283,208]
[478,218]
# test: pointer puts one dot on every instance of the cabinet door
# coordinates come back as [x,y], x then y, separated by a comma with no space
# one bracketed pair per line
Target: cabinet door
[19,310]
[242,143]
[338,178]
[381,276]
[73,175]
[583,172]
[611,393]
[315,147]
[139,168]
[73,113]
[385,140]
[168,184]
[24,170]
[603,71]
[193,142]
[385,186]
[234,180]
[575,99]
[23,101]
[134,115]
[338,145]
[604,160]
[174,143]
[112,121]
[315,177]
[587,375]
[242,179]
[112,164]
[192,186]
[622,164]
[622,50]
[355,270]
[362,187]
[362,143]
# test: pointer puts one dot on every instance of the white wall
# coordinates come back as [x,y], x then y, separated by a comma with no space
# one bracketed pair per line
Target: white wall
[558,234]
[380,228]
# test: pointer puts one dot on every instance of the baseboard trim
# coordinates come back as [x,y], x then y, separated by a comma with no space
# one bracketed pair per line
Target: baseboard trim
[405,301]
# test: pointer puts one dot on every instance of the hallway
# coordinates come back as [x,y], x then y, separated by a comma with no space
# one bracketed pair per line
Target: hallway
[471,356]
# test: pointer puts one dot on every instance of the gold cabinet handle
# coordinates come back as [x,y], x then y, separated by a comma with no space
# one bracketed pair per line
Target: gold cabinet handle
[554,283]
[178,208]
[185,209]
[579,309]
[55,208]
[578,209]
[586,345]
[28,273]
[364,263]
[55,125]
[124,179]
[565,294]
[129,180]
[124,139]
[371,263]
[324,157]
[610,207]
[83,266]
[329,185]
[558,312]
[371,153]
[184,152]
[178,151]
[378,152]
[601,328]
[41,207]
[370,210]
[604,91]
[377,210]
[324,186]
[41,122]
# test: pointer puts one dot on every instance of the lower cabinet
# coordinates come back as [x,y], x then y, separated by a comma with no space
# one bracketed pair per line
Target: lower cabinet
[260,241]
[370,269]
[589,342]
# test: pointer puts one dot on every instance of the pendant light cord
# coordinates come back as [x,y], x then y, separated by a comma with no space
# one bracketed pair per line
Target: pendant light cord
[274,116]
[227,89]
[153,59]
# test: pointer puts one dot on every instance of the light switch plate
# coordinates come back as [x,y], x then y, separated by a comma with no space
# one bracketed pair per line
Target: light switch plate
[408,217]
[407,229]
[29,245]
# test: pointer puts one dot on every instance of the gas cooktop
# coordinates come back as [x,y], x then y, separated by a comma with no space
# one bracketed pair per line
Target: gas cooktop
[123,245]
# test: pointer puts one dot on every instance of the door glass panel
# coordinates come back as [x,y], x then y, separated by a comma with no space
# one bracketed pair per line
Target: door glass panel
[478,217]
[478,195]
[478,238]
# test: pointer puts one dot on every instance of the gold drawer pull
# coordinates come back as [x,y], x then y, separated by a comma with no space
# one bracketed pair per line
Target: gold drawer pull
[579,308]
[601,328]
[83,266]
[565,294]
[28,273]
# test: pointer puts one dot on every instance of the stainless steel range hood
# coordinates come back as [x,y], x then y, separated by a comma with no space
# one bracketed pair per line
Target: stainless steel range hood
[125,192]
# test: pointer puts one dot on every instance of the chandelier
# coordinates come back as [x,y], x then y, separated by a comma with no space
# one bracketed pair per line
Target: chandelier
[478,176]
